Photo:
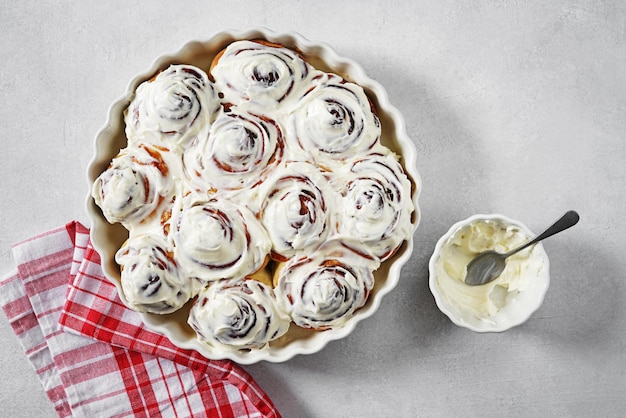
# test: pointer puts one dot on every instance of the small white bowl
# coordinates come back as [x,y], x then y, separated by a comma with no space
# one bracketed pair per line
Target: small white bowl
[108,238]
[517,309]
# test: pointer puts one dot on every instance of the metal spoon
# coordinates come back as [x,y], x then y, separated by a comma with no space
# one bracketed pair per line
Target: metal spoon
[487,266]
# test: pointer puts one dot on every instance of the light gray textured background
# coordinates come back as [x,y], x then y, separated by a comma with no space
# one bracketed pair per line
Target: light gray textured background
[517,107]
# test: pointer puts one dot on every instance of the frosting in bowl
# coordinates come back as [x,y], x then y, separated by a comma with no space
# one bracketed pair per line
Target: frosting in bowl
[502,303]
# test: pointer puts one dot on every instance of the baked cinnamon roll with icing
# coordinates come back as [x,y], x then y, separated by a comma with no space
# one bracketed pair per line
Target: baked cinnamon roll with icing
[134,186]
[238,314]
[376,208]
[324,289]
[151,279]
[238,152]
[170,109]
[216,239]
[258,73]
[295,209]
[335,120]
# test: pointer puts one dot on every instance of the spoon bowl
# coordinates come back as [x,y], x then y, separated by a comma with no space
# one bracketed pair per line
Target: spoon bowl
[488,265]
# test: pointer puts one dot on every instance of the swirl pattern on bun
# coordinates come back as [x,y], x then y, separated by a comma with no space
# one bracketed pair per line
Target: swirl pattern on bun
[258,73]
[238,314]
[295,209]
[323,290]
[238,152]
[170,109]
[151,280]
[217,239]
[134,186]
[334,120]
[376,207]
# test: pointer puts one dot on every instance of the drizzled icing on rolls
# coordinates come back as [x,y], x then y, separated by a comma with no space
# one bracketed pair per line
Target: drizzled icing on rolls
[217,239]
[134,186]
[259,73]
[295,209]
[239,151]
[376,206]
[334,120]
[151,280]
[262,188]
[172,108]
[323,290]
[240,314]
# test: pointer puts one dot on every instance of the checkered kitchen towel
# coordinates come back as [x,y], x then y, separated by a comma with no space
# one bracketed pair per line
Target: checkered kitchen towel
[93,355]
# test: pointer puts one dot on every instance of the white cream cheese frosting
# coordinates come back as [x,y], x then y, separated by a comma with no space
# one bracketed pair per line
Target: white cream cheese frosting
[238,153]
[217,239]
[295,209]
[151,280]
[485,302]
[171,109]
[375,206]
[136,183]
[334,120]
[238,314]
[260,74]
[324,289]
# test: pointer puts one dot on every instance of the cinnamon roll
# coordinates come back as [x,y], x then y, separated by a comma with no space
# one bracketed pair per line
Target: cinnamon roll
[258,73]
[238,152]
[238,314]
[151,279]
[170,109]
[324,289]
[376,208]
[217,239]
[295,209]
[134,186]
[335,120]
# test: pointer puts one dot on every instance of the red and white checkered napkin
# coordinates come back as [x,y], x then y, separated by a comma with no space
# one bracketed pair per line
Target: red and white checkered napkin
[93,355]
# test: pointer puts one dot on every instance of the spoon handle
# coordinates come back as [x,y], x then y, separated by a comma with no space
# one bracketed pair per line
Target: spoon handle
[569,219]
